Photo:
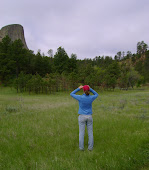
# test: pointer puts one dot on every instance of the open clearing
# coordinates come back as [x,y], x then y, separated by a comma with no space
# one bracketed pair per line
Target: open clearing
[41,131]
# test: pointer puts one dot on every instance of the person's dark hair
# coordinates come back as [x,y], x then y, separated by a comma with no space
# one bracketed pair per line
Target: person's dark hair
[87,92]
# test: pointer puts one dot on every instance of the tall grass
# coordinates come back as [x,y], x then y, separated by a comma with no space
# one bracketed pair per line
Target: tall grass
[41,131]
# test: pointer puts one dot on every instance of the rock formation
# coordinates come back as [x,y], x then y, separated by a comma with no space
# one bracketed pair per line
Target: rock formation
[15,32]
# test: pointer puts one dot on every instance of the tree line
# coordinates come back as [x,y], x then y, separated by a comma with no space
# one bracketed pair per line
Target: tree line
[37,73]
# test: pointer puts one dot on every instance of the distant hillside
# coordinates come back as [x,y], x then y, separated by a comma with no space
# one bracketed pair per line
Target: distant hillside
[140,62]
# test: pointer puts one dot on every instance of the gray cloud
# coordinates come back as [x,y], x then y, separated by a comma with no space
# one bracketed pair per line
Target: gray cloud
[87,28]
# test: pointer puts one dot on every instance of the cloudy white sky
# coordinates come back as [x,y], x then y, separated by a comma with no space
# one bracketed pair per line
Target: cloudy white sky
[87,28]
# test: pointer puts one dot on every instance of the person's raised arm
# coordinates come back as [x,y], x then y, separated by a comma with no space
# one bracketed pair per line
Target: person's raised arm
[73,93]
[95,94]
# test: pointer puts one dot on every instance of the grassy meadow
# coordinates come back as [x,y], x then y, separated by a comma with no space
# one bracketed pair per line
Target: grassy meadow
[41,131]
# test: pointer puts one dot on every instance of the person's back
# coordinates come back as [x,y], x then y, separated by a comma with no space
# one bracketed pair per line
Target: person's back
[85,104]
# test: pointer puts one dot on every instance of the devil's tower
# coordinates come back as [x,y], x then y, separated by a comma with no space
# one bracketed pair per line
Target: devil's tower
[15,32]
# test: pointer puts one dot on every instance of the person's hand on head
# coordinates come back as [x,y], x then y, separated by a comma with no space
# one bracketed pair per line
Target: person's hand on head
[80,87]
[89,86]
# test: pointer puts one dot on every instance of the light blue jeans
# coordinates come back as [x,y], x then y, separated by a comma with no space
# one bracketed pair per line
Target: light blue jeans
[85,120]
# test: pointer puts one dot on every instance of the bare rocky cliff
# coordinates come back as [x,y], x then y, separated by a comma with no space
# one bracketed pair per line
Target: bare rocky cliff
[15,32]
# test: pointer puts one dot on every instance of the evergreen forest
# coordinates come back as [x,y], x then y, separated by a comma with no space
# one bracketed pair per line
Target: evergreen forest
[37,73]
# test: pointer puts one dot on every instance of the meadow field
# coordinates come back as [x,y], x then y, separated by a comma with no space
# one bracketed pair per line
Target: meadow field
[41,131]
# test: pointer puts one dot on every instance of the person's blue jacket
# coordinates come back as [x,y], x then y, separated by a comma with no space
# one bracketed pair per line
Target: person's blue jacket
[85,102]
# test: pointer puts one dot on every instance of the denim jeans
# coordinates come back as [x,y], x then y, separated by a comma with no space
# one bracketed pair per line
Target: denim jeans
[85,120]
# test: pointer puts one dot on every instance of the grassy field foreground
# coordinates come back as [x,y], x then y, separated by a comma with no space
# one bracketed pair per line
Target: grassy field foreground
[41,131]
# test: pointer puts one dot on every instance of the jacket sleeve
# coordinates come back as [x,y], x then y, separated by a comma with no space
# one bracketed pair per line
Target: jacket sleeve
[95,94]
[77,97]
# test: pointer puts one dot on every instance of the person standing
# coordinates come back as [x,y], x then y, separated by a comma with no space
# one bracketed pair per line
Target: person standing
[85,114]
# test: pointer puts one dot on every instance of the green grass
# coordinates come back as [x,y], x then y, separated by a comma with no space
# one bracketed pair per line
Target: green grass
[41,131]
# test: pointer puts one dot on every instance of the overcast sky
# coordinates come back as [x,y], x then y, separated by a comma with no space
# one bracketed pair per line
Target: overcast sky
[87,28]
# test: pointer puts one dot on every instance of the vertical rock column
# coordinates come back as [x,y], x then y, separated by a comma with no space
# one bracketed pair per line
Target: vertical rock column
[15,32]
